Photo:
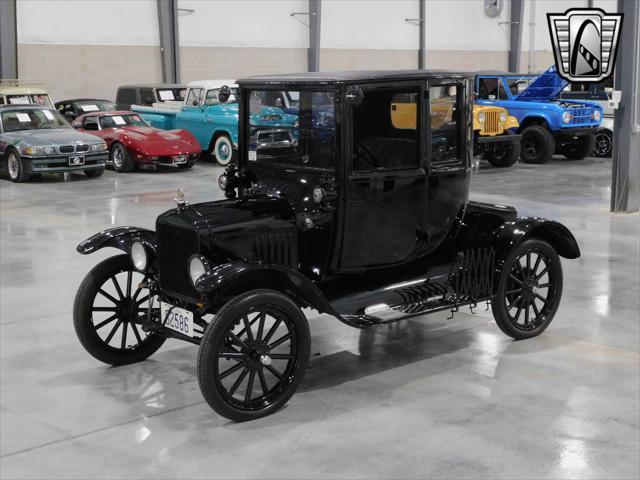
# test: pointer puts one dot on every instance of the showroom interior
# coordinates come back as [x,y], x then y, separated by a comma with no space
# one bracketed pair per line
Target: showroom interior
[443,384]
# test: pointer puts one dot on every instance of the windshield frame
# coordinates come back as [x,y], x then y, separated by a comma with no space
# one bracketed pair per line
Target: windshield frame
[245,126]
[55,113]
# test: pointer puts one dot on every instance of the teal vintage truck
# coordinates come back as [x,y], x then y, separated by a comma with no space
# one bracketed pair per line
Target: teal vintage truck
[210,112]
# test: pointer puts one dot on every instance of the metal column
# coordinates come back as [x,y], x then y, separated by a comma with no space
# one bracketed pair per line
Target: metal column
[625,178]
[313,53]
[8,40]
[515,37]
[423,36]
[169,44]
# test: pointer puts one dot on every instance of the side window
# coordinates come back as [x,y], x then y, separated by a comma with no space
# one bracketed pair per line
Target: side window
[90,123]
[212,97]
[446,123]
[1,100]
[146,96]
[194,98]
[491,89]
[126,96]
[385,130]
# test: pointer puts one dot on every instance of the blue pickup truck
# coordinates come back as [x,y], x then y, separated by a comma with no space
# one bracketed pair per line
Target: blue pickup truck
[213,120]
[548,124]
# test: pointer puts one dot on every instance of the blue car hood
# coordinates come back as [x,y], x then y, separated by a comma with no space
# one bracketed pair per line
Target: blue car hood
[545,88]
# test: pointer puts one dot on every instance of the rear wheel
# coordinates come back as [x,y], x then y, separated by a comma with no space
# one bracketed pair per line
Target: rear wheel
[106,312]
[120,158]
[529,290]
[538,145]
[223,150]
[16,168]
[603,144]
[503,154]
[253,355]
[579,149]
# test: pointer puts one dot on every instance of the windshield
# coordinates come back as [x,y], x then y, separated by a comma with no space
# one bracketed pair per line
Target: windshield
[38,99]
[212,96]
[95,106]
[171,94]
[16,120]
[117,121]
[519,84]
[304,136]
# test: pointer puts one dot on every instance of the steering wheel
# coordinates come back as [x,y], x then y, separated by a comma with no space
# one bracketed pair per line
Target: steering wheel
[369,158]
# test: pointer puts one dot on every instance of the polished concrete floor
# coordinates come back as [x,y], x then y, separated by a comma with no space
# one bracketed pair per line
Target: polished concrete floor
[424,398]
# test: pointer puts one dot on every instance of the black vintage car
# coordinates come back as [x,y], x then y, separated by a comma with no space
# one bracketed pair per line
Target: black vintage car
[364,220]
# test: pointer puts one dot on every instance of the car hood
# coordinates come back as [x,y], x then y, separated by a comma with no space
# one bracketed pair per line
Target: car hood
[153,141]
[545,88]
[53,137]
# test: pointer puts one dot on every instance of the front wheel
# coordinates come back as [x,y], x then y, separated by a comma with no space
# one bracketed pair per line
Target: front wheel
[106,313]
[603,144]
[503,155]
[121,159]
[253,355]
[223,150]
[97,172]
[529,290]
[580,148]
[16,168]
[537,145]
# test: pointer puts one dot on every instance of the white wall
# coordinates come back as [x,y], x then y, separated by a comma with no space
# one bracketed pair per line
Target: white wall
[243,23]
[88,22]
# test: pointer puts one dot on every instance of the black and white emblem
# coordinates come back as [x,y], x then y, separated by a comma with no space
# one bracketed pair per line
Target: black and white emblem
[585,42]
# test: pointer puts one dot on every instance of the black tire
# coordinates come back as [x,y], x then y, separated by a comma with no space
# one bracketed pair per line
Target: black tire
[537,145]
[581,148]
[15,167]
[503,155]
[94,173]
[87,322]
[252,356]
[121,159]
[530,288]
[603,144]
[185,166]
[222,150]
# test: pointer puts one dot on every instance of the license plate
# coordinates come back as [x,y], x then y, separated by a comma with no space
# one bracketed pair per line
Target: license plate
[178,159]
[177,319]
[76,160]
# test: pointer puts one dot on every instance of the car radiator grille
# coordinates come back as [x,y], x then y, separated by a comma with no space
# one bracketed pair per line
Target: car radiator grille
[175,247]
[82,148]
[66,149]
[277,248]
[492,122]
[581,115]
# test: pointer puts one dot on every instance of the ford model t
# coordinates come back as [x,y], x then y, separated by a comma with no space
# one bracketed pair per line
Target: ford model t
[360,217]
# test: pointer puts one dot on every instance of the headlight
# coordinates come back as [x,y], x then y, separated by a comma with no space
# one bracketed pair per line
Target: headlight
[503,116]
[481,117]
[99,147]
[318,194]
[38,150]
[197,268]
[566,117]
[223,181]
[596,115]
[139,256]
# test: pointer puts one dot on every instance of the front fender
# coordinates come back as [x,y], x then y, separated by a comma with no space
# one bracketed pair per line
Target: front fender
[236,277]
[510,234]
[118,237]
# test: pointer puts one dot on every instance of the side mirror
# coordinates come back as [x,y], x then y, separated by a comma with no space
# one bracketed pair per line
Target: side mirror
[224,94]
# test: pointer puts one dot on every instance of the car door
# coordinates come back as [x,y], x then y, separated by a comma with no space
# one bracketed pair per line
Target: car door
[386,189]
[192,116]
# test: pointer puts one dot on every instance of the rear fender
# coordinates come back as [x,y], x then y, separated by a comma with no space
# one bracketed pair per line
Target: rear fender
[118,237]
[234,278]
[513,233]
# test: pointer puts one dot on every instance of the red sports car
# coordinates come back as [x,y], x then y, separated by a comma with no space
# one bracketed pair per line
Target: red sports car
[132,141]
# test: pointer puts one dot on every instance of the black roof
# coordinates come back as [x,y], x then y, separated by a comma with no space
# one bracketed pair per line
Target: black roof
[74,100]
[353,76]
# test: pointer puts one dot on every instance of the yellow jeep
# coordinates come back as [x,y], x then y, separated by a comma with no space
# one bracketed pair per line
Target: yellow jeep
[491,126]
